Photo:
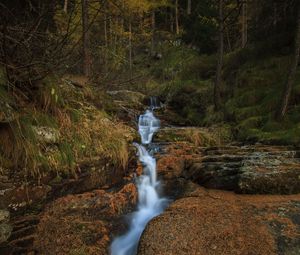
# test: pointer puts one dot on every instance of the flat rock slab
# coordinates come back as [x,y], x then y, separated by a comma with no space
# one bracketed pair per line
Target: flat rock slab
[210,222]
[248,169]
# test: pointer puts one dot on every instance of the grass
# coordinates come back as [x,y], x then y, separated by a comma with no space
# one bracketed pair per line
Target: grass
[84,129]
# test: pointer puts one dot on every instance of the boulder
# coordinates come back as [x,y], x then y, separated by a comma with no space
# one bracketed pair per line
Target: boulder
[5,227]
[247,169]
[127,96]
[211,222]
[47,135]
[84,224]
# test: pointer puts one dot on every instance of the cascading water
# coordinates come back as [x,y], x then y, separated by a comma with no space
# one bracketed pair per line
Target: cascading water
[150,204]
[154,103]
[148,125]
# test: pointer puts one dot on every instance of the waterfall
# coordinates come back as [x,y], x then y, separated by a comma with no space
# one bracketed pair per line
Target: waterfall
[154,103]
[148,125]
[150,204]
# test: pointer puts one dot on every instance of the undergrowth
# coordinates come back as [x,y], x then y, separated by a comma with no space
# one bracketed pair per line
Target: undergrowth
[57,130]
[251,91]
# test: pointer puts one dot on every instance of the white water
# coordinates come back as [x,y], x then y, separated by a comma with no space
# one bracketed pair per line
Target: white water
[154,103]
[148,125]
[149,202]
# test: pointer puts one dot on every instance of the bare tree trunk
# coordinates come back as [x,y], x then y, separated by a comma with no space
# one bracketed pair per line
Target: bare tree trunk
[110,31]
[106,43]
[85,48]
[218,80]
[176,17]
[286,93]
[66,6]
[105,30]
[228,39]
[171,21]
[244,24]
[130,49]
[275,18]
[153,32]
[189,7]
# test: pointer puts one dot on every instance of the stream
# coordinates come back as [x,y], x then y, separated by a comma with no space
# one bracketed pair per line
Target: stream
[150,204]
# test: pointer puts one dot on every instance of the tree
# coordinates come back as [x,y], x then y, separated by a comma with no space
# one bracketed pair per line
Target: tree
[176,17]
[85,39]
[66,6]
[286,93]
[244,24]
[218,79]
[153,32]
[189,7]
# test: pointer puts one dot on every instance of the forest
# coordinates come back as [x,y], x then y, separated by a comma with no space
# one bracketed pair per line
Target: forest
[149,127]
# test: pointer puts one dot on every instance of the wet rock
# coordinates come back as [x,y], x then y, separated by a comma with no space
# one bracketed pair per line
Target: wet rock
[211,222]
[83,223]
[248,169]
[171,162]
[5,227]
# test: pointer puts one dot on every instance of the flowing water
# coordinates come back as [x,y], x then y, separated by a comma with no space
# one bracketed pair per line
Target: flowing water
[150,204]
[154,103]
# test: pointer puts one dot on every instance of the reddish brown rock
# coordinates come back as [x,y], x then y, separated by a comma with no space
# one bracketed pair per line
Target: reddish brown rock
[209,222]
[82,224]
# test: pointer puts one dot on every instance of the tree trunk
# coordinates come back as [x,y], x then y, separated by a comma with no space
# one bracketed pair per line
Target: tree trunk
[106,43]
[218,80]
[66,6]
[228,39]
[275,18]
[171,21]
[244,24]
[153,33]
[176,17]
[130,49]
[189,7]
[292,73]
[85,44]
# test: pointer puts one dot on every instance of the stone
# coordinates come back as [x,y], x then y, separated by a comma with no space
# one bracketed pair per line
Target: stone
[85,223]
[247,169]
[127,96]
[21,197]
[5,227]
[47,135]
[211,222]
[4,216]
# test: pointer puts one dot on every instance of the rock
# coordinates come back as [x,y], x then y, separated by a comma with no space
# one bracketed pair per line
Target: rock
[47,135]
[96,173]
[4,216]
[269,173]
[129,104]
[22,197]
[248,169]
[211,222]
[83,223]
[130,97]
[171,163]
[5,227]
